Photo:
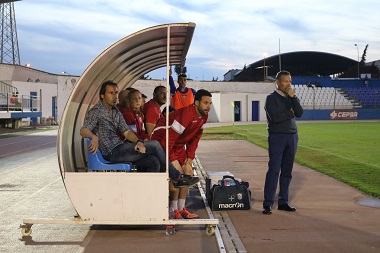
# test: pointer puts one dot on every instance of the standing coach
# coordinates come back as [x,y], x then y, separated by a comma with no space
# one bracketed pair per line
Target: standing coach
[281,106]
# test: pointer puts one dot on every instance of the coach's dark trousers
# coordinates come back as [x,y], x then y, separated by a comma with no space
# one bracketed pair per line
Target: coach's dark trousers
[282,150]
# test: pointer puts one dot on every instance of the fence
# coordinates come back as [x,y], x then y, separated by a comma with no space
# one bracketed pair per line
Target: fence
[14,102]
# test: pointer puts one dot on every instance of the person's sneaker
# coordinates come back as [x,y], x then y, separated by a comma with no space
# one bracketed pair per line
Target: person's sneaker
[185,180]
[187,215]
[177,214]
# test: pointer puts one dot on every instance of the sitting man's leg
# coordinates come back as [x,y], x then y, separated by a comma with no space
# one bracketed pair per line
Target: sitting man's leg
[126,153]
[149,163]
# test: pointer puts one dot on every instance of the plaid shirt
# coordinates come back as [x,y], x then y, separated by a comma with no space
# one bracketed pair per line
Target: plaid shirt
[100,122]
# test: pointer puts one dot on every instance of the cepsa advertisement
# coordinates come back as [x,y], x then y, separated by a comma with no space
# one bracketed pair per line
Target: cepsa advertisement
[343,114]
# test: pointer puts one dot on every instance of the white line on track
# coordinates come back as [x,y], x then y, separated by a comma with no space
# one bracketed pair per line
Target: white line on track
[18,140]
[32,162]
[25,149]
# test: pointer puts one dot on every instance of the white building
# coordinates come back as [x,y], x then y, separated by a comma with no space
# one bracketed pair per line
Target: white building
[52,92]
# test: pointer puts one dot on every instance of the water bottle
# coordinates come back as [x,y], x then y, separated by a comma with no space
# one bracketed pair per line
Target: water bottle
[171,212]
[170,229]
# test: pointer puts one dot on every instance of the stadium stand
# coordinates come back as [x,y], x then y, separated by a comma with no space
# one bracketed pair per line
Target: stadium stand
[321,98]
[367,97]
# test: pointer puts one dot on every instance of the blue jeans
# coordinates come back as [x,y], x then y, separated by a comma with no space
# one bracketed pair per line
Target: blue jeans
[282,150]
[152,161]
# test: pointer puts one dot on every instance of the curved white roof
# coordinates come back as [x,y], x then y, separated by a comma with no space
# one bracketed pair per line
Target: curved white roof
[124,62]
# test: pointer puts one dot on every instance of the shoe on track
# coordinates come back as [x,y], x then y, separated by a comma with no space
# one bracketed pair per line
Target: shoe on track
[187,215]
[185,180]
[177,214]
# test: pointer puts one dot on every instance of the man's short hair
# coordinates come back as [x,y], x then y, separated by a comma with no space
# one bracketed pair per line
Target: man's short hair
[158,88]
[201,93]
[102,90]
[123,98]
[282,73]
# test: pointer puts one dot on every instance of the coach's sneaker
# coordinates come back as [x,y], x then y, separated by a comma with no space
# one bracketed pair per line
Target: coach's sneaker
[177,214]
[187,215]
[185,180]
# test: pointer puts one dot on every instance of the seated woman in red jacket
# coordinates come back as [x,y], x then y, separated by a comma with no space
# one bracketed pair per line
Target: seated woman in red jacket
[133,115]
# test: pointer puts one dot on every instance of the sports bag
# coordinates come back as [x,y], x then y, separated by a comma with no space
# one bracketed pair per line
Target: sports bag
[230,194]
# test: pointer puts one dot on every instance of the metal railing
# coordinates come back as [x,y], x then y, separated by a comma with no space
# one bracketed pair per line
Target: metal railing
[7,88]
[25,103]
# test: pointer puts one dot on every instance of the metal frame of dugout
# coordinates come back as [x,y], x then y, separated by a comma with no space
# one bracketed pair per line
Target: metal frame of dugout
[110,198]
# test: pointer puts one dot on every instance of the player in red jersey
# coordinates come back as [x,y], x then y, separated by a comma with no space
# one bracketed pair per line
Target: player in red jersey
[152,111]
[185,131]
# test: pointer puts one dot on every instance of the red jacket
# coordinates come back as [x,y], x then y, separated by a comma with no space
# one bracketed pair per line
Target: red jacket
[185,128]
[152,112]
[135,121]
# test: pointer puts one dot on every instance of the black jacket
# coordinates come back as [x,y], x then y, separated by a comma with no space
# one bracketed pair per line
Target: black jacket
[281,112]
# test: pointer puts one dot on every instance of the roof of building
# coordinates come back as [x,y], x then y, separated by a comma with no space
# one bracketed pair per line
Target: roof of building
[299,63]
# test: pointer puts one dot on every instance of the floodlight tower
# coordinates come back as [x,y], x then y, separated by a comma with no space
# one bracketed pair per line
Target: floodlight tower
[9,51]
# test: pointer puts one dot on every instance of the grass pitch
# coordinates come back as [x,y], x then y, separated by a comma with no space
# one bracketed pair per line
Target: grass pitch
[347,151]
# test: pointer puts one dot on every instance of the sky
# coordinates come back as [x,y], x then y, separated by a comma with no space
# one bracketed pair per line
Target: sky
[67,35]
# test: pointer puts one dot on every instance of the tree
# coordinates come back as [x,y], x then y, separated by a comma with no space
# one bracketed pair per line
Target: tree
[363,60]
[353,71]
[373,69]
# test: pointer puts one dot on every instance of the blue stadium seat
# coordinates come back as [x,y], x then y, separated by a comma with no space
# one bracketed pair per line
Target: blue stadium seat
[98,163]
[368,96]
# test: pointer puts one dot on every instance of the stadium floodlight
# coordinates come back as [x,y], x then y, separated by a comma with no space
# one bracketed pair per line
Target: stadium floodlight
[357,47]
[265,67]
[9,50]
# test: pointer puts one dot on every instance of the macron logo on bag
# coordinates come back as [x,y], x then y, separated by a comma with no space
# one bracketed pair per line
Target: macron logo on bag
[235,205]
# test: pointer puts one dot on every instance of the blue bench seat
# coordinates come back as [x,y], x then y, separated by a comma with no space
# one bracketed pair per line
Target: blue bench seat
[96,162]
